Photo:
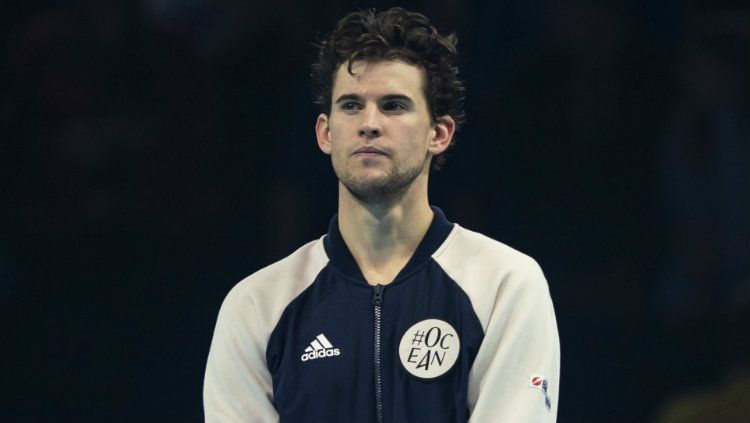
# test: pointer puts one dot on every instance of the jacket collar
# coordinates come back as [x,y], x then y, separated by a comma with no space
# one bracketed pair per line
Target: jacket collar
[342,258]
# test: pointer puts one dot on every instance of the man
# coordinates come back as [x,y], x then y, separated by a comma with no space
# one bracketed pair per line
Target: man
[395,315]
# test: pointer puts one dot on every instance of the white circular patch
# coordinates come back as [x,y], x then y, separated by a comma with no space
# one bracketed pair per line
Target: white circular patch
[429,348]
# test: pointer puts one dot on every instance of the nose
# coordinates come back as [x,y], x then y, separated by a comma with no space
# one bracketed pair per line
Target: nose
[371,125]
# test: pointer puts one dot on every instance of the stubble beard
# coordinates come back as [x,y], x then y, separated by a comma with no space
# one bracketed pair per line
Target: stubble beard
[382,192]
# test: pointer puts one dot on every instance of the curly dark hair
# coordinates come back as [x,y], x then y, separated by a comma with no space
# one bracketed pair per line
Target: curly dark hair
[394,34]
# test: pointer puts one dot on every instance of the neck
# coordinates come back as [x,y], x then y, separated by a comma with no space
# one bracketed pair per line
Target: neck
[382,237]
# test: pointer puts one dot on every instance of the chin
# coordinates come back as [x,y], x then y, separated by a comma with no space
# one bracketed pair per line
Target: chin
[367,184]
[365,175]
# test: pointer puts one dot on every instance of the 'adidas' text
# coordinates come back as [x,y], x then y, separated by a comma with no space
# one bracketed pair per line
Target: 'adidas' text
[320,354]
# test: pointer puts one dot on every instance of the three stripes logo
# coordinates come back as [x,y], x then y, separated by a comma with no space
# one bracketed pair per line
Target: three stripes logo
[321,347]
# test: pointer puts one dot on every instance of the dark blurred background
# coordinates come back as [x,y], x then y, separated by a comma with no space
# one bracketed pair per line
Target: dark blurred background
[155,152]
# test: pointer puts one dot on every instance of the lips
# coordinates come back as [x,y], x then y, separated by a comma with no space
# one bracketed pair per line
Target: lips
[369,150]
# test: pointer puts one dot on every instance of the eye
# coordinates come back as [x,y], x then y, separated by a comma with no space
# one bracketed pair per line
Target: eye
[394,106]
[350,106]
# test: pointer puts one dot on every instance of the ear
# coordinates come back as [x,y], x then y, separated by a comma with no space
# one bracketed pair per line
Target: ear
[444,129]
[323,133]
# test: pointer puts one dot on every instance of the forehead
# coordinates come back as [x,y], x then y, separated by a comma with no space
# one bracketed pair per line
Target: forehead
[379,78]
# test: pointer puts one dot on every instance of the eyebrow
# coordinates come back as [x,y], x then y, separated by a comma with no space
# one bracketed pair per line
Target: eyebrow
[398,97]
[389,97]
[348,97]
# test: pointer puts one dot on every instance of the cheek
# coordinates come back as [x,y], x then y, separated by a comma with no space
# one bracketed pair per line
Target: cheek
[418,141]
[339,151]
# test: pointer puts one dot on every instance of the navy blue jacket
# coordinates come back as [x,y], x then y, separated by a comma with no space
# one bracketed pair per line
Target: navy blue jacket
[465,332]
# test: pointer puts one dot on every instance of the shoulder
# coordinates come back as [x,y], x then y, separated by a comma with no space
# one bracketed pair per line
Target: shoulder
[269,290]
[475,252]
[490,272]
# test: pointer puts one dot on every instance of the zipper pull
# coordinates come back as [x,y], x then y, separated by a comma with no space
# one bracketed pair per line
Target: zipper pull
[377,300]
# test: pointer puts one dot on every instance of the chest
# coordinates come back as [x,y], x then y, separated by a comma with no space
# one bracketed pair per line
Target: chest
[346,351]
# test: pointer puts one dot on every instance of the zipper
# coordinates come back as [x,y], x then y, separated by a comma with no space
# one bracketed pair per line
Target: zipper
[377,302]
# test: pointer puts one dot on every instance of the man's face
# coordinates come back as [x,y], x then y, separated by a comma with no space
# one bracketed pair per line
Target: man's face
[379,133]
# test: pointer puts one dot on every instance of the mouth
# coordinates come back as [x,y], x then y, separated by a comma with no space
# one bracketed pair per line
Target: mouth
[369,151]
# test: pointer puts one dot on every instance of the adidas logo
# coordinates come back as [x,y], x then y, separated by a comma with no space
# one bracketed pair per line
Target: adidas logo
[320,348]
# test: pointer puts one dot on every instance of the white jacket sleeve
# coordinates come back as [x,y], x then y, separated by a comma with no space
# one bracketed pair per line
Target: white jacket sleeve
[515,376]
[237,385]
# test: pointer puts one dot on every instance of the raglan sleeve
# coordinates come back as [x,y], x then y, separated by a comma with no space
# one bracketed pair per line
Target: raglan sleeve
[237,385]
[516,373]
